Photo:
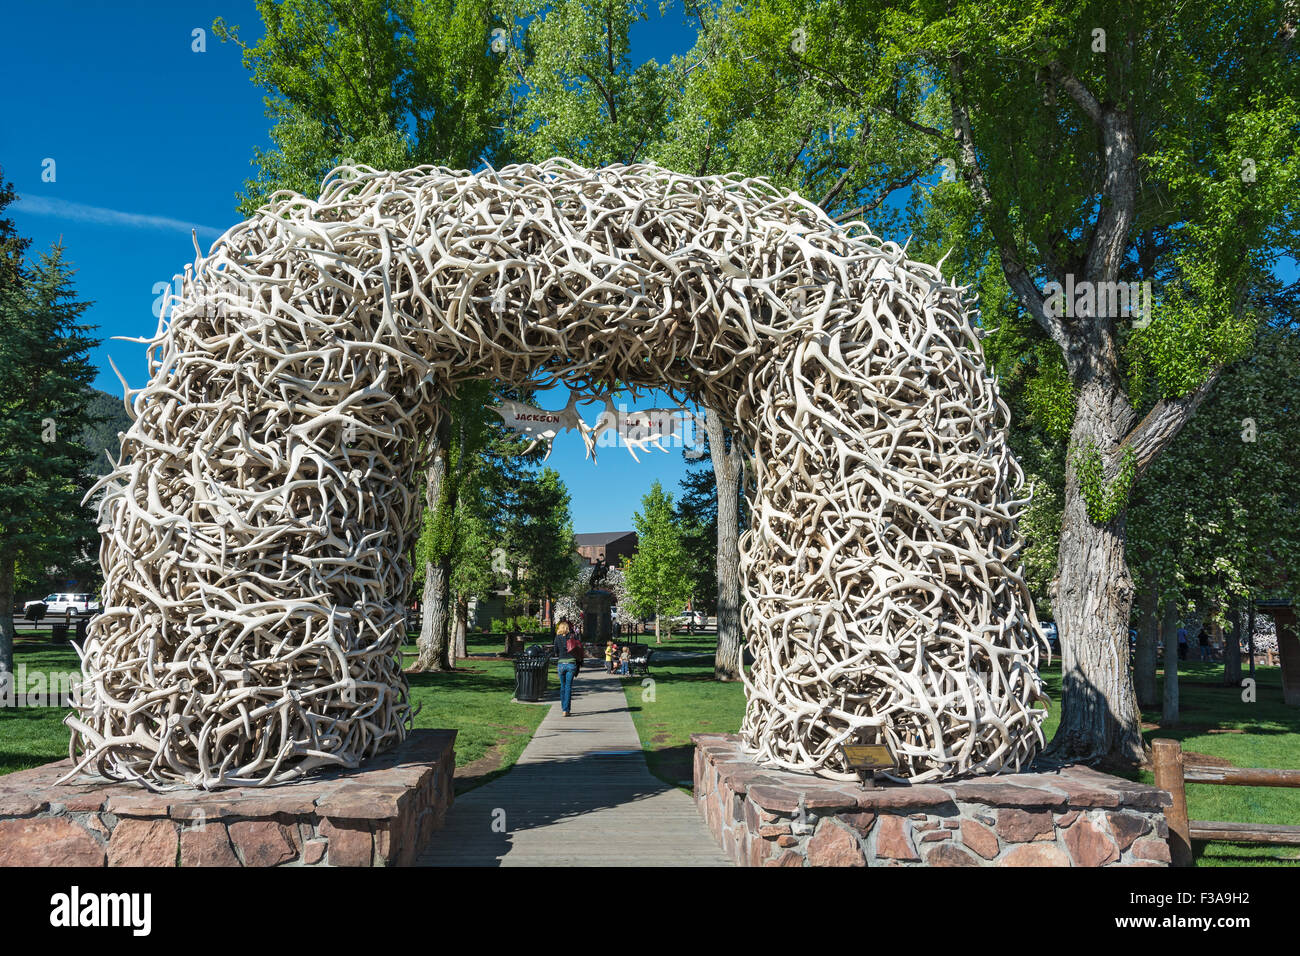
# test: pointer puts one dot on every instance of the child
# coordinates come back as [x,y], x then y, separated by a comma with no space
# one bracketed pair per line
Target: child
[624,660]
[610,648]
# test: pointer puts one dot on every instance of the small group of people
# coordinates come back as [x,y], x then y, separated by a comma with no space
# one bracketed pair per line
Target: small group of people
[618,660]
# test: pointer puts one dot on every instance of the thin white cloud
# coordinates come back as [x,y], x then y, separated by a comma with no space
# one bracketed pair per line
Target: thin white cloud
[63,209]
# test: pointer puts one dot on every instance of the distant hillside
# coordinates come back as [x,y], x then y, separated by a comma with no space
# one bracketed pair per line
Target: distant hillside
[101,435]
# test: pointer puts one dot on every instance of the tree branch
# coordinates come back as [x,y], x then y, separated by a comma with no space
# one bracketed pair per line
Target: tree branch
[1163,423]
[1018,277]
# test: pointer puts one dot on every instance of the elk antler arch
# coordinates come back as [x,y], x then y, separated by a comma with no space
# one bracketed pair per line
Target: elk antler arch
[256,524]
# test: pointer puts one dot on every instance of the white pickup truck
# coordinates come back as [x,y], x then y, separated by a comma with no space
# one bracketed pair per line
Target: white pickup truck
[60,604]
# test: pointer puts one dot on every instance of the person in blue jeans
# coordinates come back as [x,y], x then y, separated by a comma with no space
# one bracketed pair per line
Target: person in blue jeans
[569,650]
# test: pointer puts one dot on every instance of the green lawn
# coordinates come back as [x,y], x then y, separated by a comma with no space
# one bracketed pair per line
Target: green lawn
[474,699]
[687,700]
[1215,723]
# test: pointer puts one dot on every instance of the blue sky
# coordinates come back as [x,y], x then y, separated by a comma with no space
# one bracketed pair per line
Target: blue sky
[151,139]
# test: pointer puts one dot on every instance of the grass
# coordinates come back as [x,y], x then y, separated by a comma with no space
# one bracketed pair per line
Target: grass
[474,699]
[686,700]
[1215,723]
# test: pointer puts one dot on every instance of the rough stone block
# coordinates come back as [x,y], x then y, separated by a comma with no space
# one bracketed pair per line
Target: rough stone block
[979,838]
[143,843]
[1022,826]
[262,842]
[893,841]
[1035,854]
[207,846]
[47,841]
[947,854]
[834,845]
[350,844]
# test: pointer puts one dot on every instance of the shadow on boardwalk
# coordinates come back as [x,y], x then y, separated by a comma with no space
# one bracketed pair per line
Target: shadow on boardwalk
[580,795]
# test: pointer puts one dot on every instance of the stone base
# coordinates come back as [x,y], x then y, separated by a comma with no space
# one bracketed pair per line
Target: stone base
[380,815]
[1071,817]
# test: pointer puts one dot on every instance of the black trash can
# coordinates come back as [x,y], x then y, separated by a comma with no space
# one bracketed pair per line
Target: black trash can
[82,623]
[530,673]
[59,632]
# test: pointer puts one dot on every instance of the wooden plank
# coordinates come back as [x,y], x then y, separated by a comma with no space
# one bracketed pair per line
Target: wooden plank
[1241,776]
[1272,833]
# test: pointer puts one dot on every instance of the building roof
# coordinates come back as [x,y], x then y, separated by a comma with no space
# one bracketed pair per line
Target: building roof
[599,538]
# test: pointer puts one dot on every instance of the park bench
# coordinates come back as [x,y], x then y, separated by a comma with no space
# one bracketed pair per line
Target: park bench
[638,661]
[1173,774]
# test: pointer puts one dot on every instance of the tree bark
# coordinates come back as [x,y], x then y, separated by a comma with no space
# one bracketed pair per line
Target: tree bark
[1144,667]
[1232,648]
[460,649]
[434,629]
[727,471]
[1170,716]
[1093,598]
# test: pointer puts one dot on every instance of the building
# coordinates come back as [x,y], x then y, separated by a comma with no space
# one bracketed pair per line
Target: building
[608,546]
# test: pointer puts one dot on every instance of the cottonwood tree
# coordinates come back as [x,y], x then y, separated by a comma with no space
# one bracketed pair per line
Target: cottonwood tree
[1218,520]
[1095,144]
[657,582]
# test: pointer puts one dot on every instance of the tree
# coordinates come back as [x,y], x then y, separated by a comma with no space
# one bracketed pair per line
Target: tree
[389,83]
[656,580]
[706,525]
[539,539]
[452,525]
[45,377]
[1094,145]
[1218,519]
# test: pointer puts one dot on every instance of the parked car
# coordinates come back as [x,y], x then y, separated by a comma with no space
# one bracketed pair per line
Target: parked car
[691,619]
[1053,637]
[60,604]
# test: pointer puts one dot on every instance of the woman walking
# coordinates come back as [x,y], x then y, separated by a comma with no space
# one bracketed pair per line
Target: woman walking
[569,649]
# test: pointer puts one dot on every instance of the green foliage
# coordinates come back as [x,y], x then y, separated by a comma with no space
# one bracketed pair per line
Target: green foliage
[537,534]
[105,417]
[518,624]
[388,83]
[1105,499]
[1218,517]
[657,576]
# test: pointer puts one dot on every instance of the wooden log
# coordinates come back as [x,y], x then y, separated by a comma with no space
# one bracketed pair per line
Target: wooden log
[1270,833]
[1241,776]
[1167,757]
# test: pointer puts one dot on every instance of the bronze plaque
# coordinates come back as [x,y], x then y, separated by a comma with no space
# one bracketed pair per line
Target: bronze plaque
[868,756]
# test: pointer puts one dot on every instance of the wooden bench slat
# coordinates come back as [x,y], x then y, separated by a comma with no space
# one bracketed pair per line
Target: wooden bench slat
[1272,833]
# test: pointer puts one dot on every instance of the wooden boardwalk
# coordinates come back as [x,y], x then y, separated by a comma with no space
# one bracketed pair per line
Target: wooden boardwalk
[580,795]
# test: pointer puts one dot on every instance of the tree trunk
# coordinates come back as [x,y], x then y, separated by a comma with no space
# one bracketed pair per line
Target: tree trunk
[460,649]
[1144,667]
[1170,716]
[726,470]
[1250,637]
[1232,648]
[1093,598]
[7,564]
[658,616]
[437,583]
